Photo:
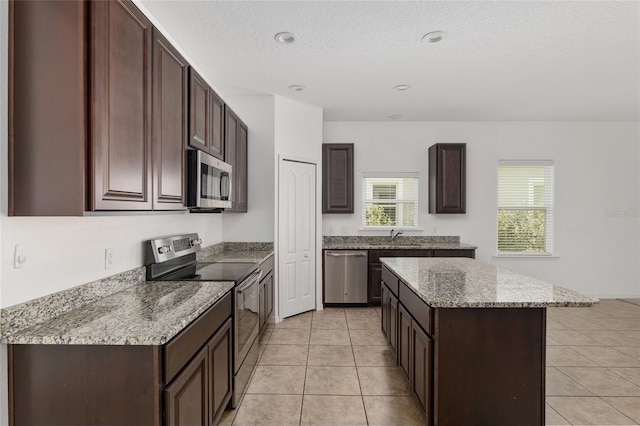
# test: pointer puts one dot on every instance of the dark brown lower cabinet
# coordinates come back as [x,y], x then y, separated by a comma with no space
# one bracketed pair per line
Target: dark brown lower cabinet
[374,295]
[393,322]
[201,392]
[187,381]
[420,355]
[404,340]
[480,366]
[384,290]
[220,372]
[187,399]
[265,305]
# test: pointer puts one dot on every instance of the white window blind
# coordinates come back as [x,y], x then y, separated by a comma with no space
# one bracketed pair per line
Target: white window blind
[390,200]
[525,207]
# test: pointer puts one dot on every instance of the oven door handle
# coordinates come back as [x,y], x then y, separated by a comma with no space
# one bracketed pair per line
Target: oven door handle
[250,281]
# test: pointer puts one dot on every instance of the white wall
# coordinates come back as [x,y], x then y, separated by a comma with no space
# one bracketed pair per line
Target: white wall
[64,252]
[258,112]
[298,135]
[596,172]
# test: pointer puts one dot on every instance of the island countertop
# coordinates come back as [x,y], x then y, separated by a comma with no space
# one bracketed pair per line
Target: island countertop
[468,283]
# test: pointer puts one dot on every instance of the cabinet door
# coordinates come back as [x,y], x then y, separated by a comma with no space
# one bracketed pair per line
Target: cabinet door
[48,107]
[384,297]
[230,152]
[337,178]
[262,305]
[199,122]
[270,295]
[375,278]
[220,372]
[121,95]
[393,323]
[404,340]
[454,253]
[216,115]
[241,182]
[187,398]
[420,368]
[447,178]
[169,124]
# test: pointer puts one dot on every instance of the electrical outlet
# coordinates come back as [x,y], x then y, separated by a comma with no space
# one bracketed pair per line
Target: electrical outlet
[109,254]
[18,257]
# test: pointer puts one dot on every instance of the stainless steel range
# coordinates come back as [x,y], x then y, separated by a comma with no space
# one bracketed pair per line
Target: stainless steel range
[174,259]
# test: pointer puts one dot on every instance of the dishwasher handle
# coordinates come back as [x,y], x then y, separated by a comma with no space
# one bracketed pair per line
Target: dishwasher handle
[334,254]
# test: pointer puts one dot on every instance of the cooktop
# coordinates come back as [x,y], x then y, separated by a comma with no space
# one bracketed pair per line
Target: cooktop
[223,271]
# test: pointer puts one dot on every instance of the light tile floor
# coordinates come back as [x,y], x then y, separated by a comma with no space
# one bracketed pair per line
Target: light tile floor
[333,367]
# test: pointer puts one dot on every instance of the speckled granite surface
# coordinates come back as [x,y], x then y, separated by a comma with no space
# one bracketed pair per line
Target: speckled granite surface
[236,252]
[353,242]
[466,283]
[50,306]
[150,313]
[123,309]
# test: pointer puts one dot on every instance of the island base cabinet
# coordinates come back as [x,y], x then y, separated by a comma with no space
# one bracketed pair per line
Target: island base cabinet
[489,366]
[468,366]
[404,339]
[420,367]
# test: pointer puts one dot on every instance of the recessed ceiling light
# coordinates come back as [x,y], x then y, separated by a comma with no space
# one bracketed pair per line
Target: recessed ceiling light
[395,116]
[285,38]
[401,87]
[296,88]
[433,37]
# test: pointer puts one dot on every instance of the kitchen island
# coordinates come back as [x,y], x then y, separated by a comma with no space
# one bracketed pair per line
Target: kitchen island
[470,338]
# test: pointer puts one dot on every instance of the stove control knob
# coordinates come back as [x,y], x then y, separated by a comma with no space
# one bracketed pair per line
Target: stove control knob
[164,249]
[196,242]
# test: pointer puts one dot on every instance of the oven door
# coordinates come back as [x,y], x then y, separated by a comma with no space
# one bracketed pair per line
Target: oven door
[246,316]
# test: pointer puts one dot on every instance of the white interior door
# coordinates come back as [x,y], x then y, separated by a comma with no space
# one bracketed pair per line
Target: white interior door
[297,237]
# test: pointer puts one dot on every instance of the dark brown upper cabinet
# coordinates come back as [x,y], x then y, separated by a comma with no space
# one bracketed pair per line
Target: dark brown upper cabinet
[48,92]
[447,178]
[206,117]
[216,108]
[199,123]
[170,78]
[235,149]
[121,43]
[337,178]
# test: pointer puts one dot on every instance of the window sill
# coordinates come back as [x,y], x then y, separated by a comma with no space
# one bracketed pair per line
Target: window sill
[525,256]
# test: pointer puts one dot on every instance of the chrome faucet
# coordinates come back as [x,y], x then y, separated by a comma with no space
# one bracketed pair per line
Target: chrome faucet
[394,236]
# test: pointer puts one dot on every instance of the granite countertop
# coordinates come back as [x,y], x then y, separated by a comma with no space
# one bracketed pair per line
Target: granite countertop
[434,242]
[468,283]
[124,309]
[149,313]
[237,252]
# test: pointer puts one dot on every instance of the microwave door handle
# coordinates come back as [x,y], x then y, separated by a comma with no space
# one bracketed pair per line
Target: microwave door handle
[252,280]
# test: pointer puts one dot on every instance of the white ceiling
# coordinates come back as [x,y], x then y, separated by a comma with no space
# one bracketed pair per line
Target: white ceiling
[513,60]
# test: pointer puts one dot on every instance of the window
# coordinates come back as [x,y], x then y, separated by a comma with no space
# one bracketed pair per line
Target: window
[390,200]
[525,207]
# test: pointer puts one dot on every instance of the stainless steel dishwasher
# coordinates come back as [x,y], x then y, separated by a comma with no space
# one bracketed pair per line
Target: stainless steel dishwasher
[345,276]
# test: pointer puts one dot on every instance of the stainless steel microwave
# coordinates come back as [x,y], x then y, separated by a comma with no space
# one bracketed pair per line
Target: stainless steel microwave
[208,182]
